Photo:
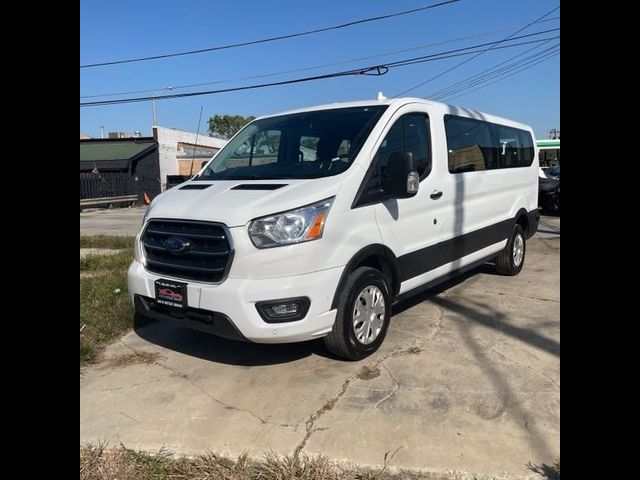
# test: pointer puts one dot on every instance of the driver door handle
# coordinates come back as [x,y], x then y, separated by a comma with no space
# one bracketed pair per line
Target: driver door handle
[436,194]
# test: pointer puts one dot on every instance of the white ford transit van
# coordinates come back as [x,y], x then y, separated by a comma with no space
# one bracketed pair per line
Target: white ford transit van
[313,222]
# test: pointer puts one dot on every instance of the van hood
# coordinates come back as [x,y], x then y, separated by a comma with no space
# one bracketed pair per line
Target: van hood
[237,202]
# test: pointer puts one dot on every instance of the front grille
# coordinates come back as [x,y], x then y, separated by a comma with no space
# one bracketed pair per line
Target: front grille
[207,259]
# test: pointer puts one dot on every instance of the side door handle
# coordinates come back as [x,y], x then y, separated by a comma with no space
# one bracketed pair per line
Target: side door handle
[436,194]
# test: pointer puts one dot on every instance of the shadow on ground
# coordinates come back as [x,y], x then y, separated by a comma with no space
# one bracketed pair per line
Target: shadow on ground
[230,352]
[215,349]
[548,472]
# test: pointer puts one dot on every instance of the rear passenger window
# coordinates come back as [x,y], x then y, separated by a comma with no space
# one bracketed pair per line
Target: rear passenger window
[477,145]
[469,145]
[528,152]
[516,147]
[510,148]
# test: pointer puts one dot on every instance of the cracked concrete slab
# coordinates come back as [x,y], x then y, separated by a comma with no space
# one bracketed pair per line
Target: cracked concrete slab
[468,381]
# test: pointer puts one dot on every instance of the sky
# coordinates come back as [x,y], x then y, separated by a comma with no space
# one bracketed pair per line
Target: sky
[121,29]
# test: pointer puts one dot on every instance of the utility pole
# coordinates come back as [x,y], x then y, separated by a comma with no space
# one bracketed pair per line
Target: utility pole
[153,103]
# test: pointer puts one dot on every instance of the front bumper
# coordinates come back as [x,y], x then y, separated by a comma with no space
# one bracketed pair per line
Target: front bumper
[211,322]
[235,299]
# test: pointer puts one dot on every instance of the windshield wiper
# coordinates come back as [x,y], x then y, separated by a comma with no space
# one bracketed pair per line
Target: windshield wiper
[210,176]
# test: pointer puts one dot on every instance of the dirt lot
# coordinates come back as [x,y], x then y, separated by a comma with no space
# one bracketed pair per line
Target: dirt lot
[467,380]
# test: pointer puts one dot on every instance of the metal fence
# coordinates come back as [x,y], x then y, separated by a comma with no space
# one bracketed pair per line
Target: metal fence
[105,184]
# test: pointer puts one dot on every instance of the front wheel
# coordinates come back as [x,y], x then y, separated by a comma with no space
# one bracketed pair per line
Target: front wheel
[511,259]
[364,312]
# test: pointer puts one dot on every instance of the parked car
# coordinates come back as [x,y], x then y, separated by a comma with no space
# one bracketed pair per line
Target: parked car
[549,193]
[553,172]
[398,196]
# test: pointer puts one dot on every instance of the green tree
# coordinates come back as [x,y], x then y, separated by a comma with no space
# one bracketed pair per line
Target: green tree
[227,125]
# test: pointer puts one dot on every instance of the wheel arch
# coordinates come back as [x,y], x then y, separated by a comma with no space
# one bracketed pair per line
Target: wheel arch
[522,219]
[376,256]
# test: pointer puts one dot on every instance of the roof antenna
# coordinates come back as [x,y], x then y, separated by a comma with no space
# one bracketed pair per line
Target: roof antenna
[381,97]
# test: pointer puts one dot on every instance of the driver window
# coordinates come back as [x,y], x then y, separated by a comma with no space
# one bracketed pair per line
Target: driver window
[409,134]
[391,143]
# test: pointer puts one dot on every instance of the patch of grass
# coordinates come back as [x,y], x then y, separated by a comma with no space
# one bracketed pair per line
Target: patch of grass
[101,463]
[367,372]
[97,462]
[106,241]
[134,358]
[105,309]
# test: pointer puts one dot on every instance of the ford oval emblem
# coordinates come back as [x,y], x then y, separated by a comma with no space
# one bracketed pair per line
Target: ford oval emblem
[177,244]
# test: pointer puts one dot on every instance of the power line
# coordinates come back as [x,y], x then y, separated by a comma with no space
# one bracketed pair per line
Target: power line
[378,70]
[271,39]
[441,56]
[479,74]
[511,75]
[370,70]
[444,91]
[475,56]
[499,72]
[304,69]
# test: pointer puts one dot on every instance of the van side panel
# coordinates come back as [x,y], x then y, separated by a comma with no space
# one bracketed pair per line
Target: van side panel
[473,217]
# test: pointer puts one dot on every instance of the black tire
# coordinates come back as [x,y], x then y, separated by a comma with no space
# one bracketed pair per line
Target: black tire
[505,262]
[342,340]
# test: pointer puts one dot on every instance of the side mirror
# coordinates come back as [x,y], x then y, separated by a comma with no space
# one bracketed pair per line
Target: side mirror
[401,179]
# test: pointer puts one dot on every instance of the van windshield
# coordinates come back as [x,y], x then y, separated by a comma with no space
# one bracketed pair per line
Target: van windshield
[301,145]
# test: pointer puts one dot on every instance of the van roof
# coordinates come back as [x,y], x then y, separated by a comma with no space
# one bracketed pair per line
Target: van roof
[445,107]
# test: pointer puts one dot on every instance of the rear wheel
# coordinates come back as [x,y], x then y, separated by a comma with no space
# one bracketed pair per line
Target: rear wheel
[364,312]
[511,259]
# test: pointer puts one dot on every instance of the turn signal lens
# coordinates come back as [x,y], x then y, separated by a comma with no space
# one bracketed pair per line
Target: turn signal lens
[316,227]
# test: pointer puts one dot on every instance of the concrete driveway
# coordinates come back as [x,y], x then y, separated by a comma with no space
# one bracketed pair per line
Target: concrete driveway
[117,221]
[467,380]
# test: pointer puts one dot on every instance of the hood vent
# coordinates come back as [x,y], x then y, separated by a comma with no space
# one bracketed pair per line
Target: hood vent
[196,186]
[259,186]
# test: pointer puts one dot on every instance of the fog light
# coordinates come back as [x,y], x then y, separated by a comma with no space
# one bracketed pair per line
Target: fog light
[285,310]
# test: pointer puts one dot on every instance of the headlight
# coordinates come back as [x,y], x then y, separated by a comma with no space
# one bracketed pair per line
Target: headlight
[295,226]
[138,249]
